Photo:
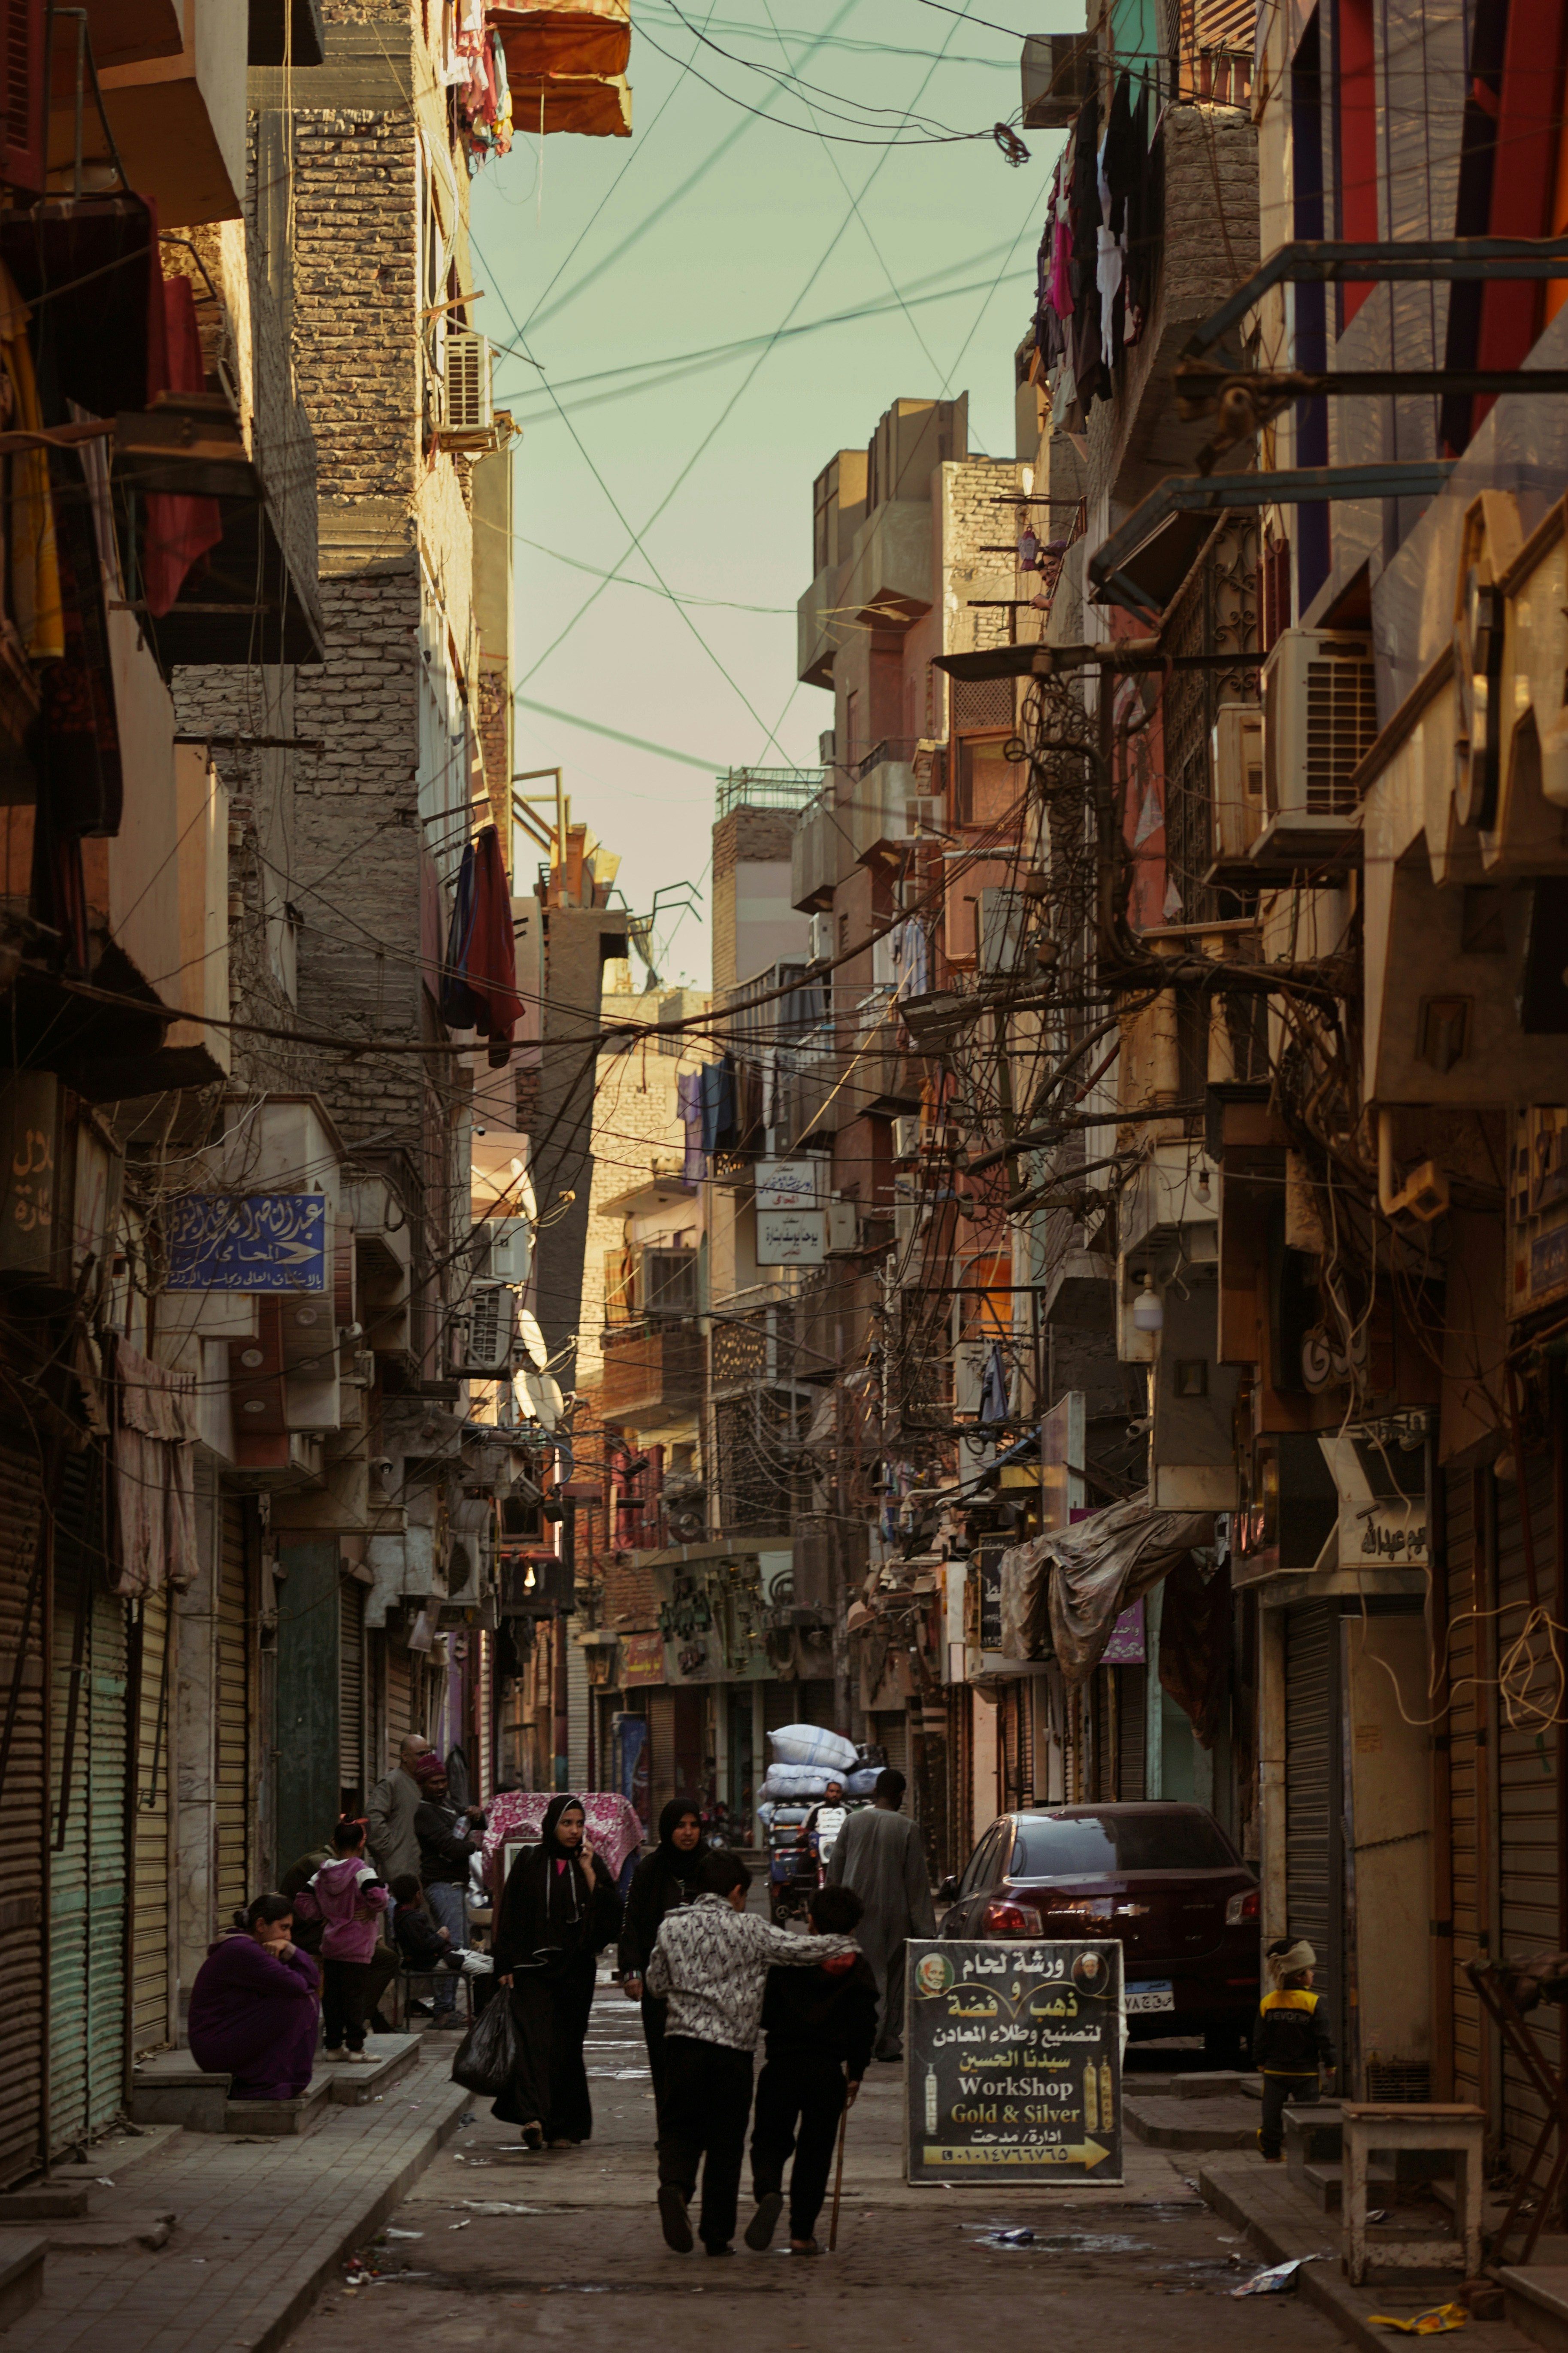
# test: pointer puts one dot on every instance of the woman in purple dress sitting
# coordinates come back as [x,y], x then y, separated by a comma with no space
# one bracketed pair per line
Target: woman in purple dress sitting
[253,2012]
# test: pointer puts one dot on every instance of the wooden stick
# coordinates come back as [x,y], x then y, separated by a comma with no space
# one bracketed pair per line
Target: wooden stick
[838,2176]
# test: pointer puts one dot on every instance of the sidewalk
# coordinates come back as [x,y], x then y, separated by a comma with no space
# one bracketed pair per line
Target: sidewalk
[1280,2223]
[259,2225]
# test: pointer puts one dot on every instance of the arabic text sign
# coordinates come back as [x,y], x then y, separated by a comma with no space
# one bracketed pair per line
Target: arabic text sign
[1013,2062]
[788,1184]
[789,1237]
[248,1243]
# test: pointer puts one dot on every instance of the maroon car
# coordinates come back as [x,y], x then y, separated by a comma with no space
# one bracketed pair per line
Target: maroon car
[1163,1880]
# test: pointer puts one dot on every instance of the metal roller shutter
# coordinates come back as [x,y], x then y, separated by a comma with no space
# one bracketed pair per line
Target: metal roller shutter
[351,1688]
[1132,1726]
[1466,1780]
[1312,1840]
[484,1712]
[892,1733]
[24,1566]
[399,1696]
[1526,1761]
[88,1887]
[231,1750]
[152,1684]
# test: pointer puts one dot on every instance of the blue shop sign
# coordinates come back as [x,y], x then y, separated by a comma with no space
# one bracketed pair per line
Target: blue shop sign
[248,1242]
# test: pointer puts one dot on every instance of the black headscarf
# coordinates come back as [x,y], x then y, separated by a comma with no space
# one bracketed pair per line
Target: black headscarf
[671,1861]
[549,1912]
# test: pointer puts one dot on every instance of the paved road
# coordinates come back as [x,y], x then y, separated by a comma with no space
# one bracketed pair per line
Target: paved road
[1123,2270]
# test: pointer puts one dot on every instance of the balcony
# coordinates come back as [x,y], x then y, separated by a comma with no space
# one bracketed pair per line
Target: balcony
[884,805]
[818,630]
[816,850]
[652,1374]
[888,584]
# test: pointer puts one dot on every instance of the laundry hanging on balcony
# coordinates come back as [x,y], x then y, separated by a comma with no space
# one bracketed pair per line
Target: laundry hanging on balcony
[478,980]
[154,1476]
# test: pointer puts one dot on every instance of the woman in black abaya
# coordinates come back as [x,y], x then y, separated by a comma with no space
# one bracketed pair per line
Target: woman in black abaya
[558,1908]
[669,1877]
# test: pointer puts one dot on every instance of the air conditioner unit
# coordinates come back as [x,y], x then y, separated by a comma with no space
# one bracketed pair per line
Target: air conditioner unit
[484,1351]
[668,1284]
[843,1228]
[819,939]
[1239,809]
[1320,720]
[922,814]
[469,408]
[906,1136]
[503,1250]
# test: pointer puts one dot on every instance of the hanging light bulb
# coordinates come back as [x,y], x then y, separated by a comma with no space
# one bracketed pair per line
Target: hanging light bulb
[1148,1316]
[1205,1195]
[1028,549]
[529,1581]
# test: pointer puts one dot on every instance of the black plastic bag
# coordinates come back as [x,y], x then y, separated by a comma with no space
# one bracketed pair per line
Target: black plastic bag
[487,2052]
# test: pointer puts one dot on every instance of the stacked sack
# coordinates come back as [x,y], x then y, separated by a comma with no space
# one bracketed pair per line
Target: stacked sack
[805,1758]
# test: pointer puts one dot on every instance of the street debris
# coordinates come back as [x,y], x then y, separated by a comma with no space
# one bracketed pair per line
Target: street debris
[494,2206]
[390,2233]
[1280,2279]
[1435,2321]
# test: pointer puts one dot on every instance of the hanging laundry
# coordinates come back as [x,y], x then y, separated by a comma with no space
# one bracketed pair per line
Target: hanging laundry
[459,1009]
[688,1102]
[718,1106]
[490,968]
[36,602]
[993,1386]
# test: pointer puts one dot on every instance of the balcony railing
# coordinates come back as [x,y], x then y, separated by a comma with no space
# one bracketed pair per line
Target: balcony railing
[768,789]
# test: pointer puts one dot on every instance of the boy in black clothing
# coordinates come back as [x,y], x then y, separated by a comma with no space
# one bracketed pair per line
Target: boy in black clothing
[424,1947]
[820,2026]
[1290,2041]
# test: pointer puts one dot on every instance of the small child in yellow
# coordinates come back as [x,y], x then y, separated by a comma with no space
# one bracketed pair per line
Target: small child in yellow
[1290,2041]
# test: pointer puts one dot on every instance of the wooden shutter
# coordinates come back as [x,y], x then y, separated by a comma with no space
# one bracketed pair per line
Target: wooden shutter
[24,1565]
[23,131]
[1131,1727]
[351,1687]
[88,1887]
[152,1699]
[231,1748]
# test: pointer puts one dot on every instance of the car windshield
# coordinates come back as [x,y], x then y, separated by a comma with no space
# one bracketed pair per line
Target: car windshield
[1081,1846]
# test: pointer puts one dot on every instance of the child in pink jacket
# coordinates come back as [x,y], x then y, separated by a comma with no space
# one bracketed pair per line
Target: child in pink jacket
[350,1898]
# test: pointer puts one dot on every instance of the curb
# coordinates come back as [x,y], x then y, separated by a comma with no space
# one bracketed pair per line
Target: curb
[1323,2286]
[379,2204]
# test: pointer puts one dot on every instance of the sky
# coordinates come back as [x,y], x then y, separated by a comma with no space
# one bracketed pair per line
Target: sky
[710,226]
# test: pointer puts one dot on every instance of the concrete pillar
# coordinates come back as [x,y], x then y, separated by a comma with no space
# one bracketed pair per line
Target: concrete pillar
[1271,1771]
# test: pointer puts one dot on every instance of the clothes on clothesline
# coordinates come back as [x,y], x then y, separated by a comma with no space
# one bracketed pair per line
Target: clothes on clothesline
[1099,254]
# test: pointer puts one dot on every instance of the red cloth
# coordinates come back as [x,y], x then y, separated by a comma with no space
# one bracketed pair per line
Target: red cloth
[490,969]
[180,530]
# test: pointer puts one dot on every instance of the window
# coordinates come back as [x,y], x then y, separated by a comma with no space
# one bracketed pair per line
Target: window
[1083,1846]
[989,787]
[978,1872]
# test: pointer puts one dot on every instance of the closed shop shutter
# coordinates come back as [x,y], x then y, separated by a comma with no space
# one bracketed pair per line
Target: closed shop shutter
[1312,1864]
[891,1732]
[23,1566]
[577,1703]
[1527,1763]
[88,1887]
[231,1755]
[781,1705]
[151,1687]
[816,1702]
[1466,1780]
[399,1696]
[351,1689]
[484,1714]
[1017,1744]
[1132,1726]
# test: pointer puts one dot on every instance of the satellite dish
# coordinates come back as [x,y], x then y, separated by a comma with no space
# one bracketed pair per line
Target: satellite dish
[532,1339]
[543,1396]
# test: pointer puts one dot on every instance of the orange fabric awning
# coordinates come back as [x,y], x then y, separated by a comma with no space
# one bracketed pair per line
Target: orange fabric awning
[564,37]
[593,106]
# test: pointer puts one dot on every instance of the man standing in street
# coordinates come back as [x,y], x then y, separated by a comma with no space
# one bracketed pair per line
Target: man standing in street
[826,1819]
[710,1964]
[447,1835]
[389,1816]
[880,1853]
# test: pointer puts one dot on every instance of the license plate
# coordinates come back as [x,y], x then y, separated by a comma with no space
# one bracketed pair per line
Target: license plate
[1156,1994]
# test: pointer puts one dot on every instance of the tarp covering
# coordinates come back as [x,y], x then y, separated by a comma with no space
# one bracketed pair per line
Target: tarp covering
[591,106]
[1102,1565]
[572,36]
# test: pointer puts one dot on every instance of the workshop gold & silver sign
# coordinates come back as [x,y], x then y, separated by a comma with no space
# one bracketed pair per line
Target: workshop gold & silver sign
[1013,2062]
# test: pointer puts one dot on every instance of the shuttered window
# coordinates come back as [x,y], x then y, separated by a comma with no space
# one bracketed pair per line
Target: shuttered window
[1526,1764]
[151,1681]
[351,1687]
[1131,1729]
[1313,1842]
[231,1753]
[1467,1780]
[399,1696]
[23,1566]
[89,1888]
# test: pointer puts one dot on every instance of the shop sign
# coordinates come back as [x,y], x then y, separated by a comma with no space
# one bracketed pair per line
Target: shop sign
[1012,2071]
[790,1237]
[642,1659]
[251,1242]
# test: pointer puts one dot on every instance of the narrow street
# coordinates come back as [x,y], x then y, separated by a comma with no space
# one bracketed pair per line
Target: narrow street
[913,2266]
